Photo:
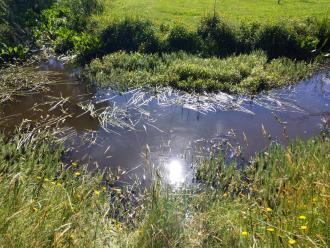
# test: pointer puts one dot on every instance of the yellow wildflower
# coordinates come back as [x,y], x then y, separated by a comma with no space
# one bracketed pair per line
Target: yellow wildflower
[104,188]
[97,192]
[302,217]
[74,164]
[225,195]
[269,210]
[46,179]
[38,178]
[292,241]
[270,229]
[245,233]
[53,183]
[77,173]
[304,228]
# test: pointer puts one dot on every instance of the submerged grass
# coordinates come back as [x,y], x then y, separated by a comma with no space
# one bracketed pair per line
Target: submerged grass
[236,74]
[18,80]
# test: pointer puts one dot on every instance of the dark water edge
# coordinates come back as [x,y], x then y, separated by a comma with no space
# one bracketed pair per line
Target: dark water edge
[138,131]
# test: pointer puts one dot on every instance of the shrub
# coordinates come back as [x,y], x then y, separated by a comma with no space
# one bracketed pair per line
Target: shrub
[86,46]
[323,34]
[247,36]
[80,12]
[64,39]
[217,36]
[130,35]
[278,41]
[181,39]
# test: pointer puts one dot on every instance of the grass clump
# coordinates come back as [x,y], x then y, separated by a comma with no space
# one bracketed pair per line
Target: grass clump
[48,203]
[244,73]
[279,200]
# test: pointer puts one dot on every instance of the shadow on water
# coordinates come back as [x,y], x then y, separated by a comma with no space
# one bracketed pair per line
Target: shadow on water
[136,131]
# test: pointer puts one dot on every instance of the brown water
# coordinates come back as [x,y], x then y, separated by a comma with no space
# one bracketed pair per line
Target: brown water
[168,130]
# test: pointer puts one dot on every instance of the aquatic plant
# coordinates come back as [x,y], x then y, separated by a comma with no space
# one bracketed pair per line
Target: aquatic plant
[244,73]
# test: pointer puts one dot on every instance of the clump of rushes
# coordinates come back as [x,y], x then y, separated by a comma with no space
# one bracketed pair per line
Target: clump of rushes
[250,73]
[46,203]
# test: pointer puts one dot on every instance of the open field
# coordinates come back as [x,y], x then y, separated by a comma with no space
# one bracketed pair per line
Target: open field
[189,12]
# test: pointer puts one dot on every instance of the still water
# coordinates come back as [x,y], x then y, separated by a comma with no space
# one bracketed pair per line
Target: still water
[137,130]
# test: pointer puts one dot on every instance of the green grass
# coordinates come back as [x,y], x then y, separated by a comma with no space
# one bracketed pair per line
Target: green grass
[189,12]
[281,197]
[236,74]
[48,203]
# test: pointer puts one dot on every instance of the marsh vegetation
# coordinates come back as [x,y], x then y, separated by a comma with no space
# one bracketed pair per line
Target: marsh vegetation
[176,56]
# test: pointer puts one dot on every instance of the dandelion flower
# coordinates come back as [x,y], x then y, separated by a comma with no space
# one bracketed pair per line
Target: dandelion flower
[292,241]
[302,217]
[97,192]
[304,228]
[77,174]
[245,233]
[270,229]
[269,210]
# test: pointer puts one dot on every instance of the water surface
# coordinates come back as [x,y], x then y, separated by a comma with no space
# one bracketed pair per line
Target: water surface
[137,130]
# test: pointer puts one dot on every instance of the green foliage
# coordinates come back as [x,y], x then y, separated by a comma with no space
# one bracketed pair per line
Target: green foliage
[278,41]
[48,203]
[129,35]
[244,73]
[11,54]
[181,39]
[217,36]
[278,199]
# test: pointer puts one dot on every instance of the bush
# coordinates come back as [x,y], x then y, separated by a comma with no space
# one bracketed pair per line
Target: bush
[247,35]
[130,35]
[80,12]
[278,41]
[181,39]
[218,37]
[323,34]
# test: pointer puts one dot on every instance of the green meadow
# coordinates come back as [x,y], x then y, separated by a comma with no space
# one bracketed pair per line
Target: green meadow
[189,12]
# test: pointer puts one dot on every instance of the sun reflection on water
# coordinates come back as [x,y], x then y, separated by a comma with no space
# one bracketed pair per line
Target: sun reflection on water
[175,172]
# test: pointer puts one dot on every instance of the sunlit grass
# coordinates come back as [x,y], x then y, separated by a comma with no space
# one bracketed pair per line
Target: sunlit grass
[250,73]
[190,12]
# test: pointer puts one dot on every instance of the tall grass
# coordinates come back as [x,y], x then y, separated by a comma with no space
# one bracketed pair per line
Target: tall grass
[244,73]
[280,200]
[48,203]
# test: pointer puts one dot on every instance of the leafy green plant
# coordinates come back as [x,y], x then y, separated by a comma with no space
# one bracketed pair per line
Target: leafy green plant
[218,37]
[130,35]
[181,39]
